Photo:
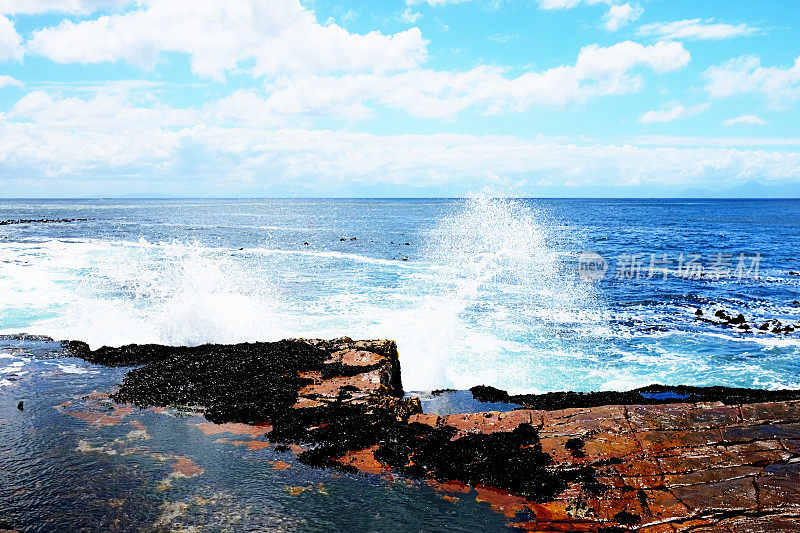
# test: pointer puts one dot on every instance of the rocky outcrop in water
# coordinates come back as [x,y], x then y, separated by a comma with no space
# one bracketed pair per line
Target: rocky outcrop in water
[774,326]
[41,221]
[658,459]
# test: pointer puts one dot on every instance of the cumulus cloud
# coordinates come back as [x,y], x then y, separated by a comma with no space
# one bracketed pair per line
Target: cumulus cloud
[279,36]
[598,71]
[335,160]
[672,112]
[621,15]
[696,29]
[106,137]
[747,120]
[10,41]
[8,81]
[107,110]
[779,86]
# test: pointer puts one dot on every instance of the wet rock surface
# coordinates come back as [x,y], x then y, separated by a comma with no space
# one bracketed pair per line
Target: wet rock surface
[739,321]
[650,395]
[655,459]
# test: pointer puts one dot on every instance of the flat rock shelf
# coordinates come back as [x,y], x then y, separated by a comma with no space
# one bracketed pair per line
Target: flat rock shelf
[659,459]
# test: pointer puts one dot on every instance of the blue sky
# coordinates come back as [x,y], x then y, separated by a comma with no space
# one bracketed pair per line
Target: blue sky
[399,98]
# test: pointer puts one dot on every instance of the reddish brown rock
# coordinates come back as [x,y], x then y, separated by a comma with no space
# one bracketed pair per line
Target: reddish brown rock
[684,466]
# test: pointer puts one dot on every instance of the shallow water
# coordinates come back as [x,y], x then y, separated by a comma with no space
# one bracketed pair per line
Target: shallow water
[73,461]
[483,293]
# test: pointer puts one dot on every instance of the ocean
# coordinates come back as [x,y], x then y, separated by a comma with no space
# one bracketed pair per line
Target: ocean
[525,295]
[474,291]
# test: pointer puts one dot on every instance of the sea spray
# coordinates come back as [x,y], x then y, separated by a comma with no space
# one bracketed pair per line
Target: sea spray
[487,291]
[467,307]
[113,293]
[503,288]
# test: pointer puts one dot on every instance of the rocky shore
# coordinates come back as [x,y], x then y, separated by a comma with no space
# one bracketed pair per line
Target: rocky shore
[658,459]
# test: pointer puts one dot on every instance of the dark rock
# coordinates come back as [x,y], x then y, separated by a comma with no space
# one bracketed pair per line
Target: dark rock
[699,312]
[353,239]
[235,383]
[305,243]
[796,303]
[649,395]
[627,519]
[342,239]
[776,330]
[25,337]
[722,314]
[738,320]
[21,405]
[575,446]
[41,221]
[764,326]
[635,460]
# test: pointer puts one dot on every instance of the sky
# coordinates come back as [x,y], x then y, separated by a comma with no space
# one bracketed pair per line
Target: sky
[399,98]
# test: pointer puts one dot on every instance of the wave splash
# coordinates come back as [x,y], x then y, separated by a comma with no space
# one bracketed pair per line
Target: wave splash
[503,294]
[487,300]
[175,293]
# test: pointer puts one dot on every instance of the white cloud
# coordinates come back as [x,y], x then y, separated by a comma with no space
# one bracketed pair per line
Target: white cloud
[411,16]
[780,86]
[673,112]
[598,71]
[281,160]
[621,15]
[7,81]
[435,2]
[567,4]
[300,98]
[279,36]
[696,29]
[747,120]
[10,41]
[543,4]
[77,7]
[106,110]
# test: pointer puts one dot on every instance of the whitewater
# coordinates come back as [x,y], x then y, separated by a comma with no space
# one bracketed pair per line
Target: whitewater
[475,291]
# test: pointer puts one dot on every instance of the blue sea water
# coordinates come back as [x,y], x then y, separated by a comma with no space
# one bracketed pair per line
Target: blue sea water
[475,291]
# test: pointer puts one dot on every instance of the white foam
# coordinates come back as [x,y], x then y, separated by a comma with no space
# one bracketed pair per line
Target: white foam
[488,288]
